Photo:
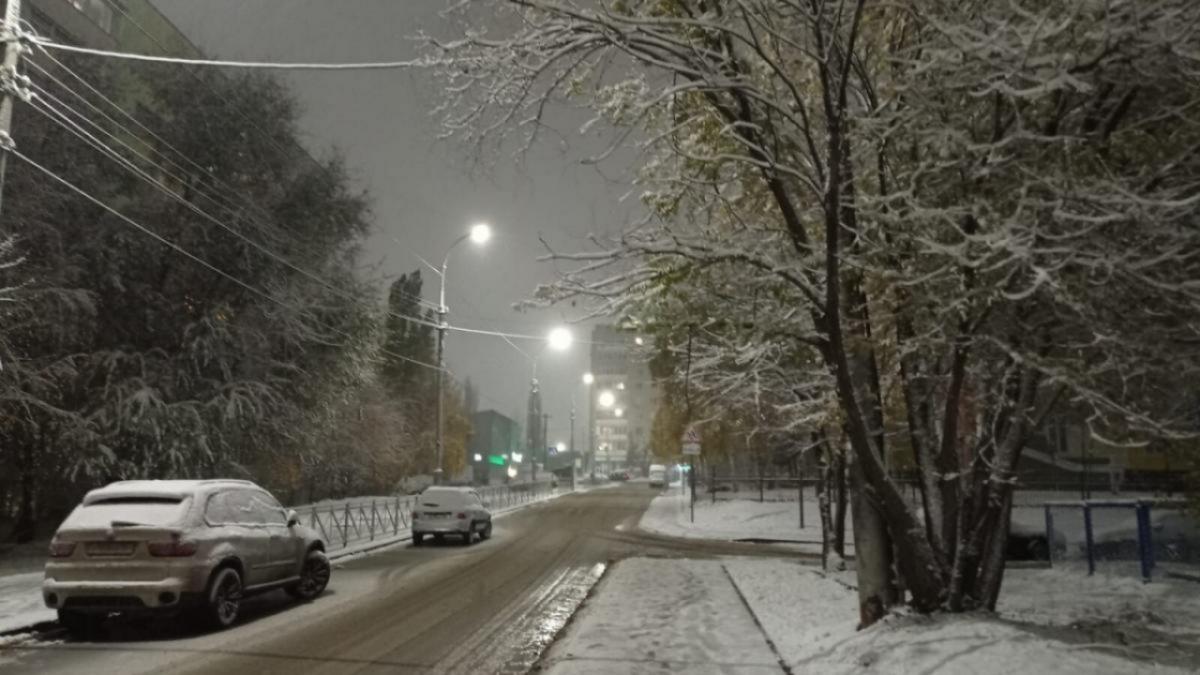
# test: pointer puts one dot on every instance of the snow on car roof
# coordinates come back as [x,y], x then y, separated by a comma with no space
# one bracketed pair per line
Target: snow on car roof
[160,488]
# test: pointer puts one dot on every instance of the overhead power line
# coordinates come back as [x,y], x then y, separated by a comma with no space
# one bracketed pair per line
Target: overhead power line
[71,126]
[259,65]
[204,175]
[186,253]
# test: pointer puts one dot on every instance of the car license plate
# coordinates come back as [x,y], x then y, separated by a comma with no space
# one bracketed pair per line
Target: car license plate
[110,549]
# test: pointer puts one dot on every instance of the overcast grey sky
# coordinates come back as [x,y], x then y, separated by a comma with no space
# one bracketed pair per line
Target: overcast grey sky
[423,195]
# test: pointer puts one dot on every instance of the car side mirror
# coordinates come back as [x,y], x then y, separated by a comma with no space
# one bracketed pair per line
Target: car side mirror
[293,518]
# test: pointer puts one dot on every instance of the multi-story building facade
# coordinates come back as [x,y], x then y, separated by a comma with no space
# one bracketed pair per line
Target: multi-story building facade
[623,400]
[130,25]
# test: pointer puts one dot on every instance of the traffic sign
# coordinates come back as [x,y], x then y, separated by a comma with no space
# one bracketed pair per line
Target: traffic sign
[691,436]
[691,448]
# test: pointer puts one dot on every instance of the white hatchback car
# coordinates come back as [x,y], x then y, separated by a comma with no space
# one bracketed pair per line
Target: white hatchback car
[165,546]
[450,510]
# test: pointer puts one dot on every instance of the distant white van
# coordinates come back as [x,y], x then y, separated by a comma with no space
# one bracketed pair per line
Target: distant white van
[657,475]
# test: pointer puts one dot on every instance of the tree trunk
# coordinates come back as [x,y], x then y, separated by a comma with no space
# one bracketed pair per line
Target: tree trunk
[839,511]
[25,527]
[872,552]
[825,489]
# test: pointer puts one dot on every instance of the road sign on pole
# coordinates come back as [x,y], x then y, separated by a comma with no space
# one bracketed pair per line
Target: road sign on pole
[691,448]
[691,435]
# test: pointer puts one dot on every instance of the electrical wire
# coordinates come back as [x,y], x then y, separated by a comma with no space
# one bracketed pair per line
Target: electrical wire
[258,65]
[202,174]
[474,331]
[186,253]
[72,127]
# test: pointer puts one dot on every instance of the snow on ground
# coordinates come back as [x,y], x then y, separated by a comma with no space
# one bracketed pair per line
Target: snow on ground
[21,601]
[670,514]
[1066,596]
[663,616]
[812,621]
[740,615]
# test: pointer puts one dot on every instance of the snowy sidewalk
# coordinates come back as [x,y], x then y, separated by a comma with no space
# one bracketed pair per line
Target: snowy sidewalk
[663,616]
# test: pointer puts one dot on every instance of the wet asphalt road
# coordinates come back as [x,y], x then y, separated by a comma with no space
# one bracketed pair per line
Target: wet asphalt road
[442,608]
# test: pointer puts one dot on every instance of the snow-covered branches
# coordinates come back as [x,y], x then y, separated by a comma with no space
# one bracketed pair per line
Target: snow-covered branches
[923,225]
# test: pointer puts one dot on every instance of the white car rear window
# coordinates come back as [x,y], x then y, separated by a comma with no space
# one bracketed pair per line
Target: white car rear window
[129,512]
[434,498]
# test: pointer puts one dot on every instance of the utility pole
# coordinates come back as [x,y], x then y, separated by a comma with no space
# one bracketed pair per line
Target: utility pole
[571,444]
[441,367]
[544,447]
[591,446]
[8,74]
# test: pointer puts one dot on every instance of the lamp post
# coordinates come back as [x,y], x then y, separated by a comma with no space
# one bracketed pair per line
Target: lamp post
[558,339]
[478,234]
[588,380]
[606,400]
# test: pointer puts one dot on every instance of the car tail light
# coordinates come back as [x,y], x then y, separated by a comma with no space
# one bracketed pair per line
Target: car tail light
[462,516]
[171,549]
[61,549]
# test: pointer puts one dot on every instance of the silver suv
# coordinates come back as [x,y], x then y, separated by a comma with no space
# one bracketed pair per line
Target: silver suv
[166,546]
[450,510]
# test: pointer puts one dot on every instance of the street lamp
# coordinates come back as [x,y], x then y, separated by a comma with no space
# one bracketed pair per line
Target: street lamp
[478,234]
[607,399]
[560,446]
[588,378]
[560,339]
[619,412]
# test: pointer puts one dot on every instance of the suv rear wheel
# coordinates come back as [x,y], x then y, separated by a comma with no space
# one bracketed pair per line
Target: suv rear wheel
[223,601]
[314,577]
[486,532]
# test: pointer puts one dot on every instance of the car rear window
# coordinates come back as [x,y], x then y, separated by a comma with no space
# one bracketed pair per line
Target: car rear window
[129,512]
[447,498]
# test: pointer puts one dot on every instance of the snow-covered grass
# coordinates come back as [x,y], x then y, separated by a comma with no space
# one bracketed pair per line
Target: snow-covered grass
[670,514]
[812,621]
[1061,597]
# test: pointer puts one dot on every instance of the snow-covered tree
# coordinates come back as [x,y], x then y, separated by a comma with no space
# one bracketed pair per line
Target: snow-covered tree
[957,217]
[125,359]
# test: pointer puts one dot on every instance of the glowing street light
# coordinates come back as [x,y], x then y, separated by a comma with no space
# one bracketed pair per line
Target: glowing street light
[639,341]
[480,233]
[478,457]
[560,446]
[588,378]
[560,339]
[619,412]
[607,399]
[517,457]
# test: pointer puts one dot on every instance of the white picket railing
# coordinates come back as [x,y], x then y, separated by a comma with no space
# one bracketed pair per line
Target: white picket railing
[363,520]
